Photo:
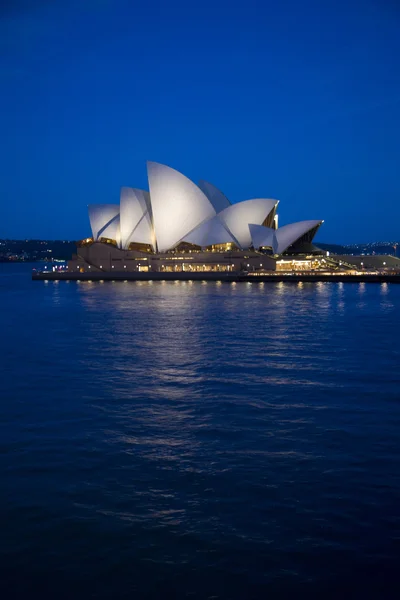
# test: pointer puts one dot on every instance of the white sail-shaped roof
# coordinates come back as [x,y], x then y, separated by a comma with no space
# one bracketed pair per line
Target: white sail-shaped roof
[280,239]
[211,232]
[143,232]
[237,217]
[112,231]
[262,236]
[288,234]
[104,218]
[215,196]
[178,205]
[135,218]
[177,210]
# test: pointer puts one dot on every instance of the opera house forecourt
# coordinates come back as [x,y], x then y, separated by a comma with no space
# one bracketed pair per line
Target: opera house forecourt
[180,230]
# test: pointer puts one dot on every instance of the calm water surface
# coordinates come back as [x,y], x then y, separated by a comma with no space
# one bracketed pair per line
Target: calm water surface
[199,440]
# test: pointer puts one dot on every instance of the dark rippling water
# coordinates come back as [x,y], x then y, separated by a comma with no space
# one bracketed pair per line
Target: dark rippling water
[199,440]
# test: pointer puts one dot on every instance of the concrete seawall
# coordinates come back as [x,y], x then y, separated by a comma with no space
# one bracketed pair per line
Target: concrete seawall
[217,276]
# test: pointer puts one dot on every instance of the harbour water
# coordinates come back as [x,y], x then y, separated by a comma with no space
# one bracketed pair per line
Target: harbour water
[199,440]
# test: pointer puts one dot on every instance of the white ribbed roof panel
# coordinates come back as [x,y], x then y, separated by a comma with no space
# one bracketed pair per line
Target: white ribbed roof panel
[211,232]
[261,236]
[101,216]
[112,231]
[288,234]
[178,205]
[215,196]
[143,232]
[237,217]
[135,218]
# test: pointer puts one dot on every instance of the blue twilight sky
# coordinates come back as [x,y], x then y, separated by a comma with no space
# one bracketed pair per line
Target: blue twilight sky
[296,100]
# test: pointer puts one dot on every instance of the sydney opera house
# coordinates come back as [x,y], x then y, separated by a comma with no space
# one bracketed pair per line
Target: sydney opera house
[178,226]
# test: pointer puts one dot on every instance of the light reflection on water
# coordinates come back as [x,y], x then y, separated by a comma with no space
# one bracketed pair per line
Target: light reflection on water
[188,336]
[254,426]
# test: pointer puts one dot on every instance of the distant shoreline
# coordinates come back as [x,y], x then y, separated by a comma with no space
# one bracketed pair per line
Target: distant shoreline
[32,260]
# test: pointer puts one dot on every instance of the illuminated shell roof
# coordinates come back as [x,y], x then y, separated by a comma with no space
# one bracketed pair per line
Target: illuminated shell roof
[177,210]
[237,217]
[280,239]
[178,205]
[104,220]
[261,236]
[135,217]
[215,196]
[211,232]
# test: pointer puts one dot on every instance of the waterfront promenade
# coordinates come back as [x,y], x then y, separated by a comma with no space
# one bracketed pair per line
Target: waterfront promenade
[273,277]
